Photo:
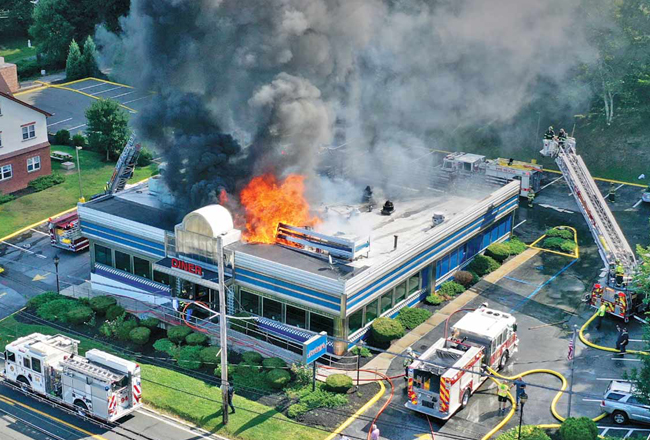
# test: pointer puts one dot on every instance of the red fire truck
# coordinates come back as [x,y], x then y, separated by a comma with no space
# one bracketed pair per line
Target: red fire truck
[65,232]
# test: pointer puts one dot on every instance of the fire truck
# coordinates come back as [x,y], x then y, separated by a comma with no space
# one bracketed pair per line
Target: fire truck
[498,171]
[99,385]
[442,380]
[65,233]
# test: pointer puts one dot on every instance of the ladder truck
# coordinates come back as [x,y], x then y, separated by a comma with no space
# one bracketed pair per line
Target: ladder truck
[442,379]
[98,385]
[613,288]
[65,232]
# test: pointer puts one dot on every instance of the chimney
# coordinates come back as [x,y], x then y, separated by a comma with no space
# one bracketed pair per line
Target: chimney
[395,243]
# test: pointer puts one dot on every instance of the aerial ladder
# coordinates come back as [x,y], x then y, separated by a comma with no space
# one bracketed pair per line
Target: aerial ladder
[124,167]
[614,288]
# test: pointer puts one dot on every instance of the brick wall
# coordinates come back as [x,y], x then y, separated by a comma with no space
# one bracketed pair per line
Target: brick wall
[21,177]
[10,74]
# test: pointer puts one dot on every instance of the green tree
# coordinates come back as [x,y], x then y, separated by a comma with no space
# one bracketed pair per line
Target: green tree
[107,127]
[641,376]
[74,65]
[89,58]
[52,30]
[112,11]
[18,18]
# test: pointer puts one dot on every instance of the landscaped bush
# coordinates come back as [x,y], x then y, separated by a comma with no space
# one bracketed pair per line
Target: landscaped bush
[321,398]
[210,355]
[62,137]
[434,299]
[79,140]
[475,277]
[296,410]
[114,312]
[45,182]
[178,333]
[105,330]
[150,323]
[252,358]
[6,198]
[384,330]
[498,251]
[190,357]
[412,317]
[338,383]
[39,300]
[302,374]
[166,346]
[464,278]
[516,246]
[553,243]
[56,310]
[79,315]
[581,428]
[123,329]
[561,233]
[145,157]
[361,351]
[231,370]
[196,338]
[275,362]
[277,378]
[100,304]
[528,432]
[140,335]
[568,247]
[451,288]
[483,265]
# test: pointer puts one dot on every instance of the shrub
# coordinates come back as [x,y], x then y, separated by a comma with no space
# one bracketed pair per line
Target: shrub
[296,410]
[79,140]
[302,374]
[115,311]
[62,137]
[464,278]
[553,243]
[498,251]
[123,329]
[475,277]
[412,317]
[273,363]
[528,432]
[252,358]
[79,315]
[190,357]
[39,300]
[338,383]
[516,246]
[166,346]
[100,304]
[6,198]
[434,299]
[451,288]
[483,265]
[231,368]
[45,182]
[196,338]
[150,323]
[361,351]
[581,428]
[561,233]
[277,378]
[56,310]
[322,398]
[210,355]
[145,157]
[178,333]
[384,330]
[568,247]
[140,335]
[105,330]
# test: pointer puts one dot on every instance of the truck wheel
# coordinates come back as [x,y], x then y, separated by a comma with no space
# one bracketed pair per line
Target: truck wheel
[620,418]
[82,408]
[24,383]
[465,400]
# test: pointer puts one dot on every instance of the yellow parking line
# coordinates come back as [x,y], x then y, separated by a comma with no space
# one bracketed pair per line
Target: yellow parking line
[55,86]
[63,422]
[111,82]
[75,81]
[576,252]
[33,89]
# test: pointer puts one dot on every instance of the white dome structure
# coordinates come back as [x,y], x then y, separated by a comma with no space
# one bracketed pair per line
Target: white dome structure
[210,221]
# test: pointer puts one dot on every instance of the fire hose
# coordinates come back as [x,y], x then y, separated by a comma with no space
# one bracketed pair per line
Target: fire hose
[600,347]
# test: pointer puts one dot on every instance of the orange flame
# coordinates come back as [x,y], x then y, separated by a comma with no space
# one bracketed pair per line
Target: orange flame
[268,202]
[223,197]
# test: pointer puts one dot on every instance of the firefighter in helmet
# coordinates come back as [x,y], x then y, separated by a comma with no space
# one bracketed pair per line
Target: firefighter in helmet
[531,197]
[561,137]
[620,273]
[408,360]
[612,192]
[549,134]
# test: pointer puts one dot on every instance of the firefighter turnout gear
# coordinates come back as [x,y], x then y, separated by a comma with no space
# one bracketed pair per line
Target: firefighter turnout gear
[550,133]
[601,314]
[531,198]
[502,393]
[612,192]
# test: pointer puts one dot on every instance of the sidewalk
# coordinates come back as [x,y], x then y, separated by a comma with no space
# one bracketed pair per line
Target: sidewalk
[382,362]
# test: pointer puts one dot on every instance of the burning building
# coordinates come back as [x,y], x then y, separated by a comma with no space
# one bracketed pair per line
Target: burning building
[333,268]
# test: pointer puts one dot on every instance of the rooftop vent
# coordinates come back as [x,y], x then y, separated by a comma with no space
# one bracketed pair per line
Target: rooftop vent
[437,218]
[388,208]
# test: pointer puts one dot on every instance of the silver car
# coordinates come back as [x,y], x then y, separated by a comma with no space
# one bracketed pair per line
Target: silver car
[623,405]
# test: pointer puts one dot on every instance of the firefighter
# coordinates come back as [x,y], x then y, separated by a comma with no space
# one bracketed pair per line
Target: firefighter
[549,134]
[620,274]
[561,137]
[612,192]
[502,393]
[231,393]
[531,197]
[408,360]
[622,340]
[520,390]
[601,314]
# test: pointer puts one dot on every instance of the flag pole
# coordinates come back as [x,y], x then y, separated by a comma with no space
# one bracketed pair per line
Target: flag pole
[572,356]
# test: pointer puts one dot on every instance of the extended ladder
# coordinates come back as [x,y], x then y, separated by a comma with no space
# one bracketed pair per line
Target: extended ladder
[124,167]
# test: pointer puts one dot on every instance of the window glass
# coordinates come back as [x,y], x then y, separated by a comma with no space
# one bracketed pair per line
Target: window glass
[32,131]
[272,309]
[495,234]
[614,396]
[486,240]
[25,133]
[371,311]
[319,323]
[355,321]
[6,172]
[26,362]
[161,277]
[36,365]
[123,261]
[250,302]
[141,267]
[400,292]
[11,356]
[386,301]
[103,255]
[453,259]
[502,228]
[0,139]
[462,254]
[414,283]
[296,316]
[33,164]
[444,265]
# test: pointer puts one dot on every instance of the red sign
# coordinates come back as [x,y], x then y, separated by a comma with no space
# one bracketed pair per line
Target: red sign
[187,267]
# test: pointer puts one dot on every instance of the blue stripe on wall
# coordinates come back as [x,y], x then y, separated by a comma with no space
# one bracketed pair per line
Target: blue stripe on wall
[110,235]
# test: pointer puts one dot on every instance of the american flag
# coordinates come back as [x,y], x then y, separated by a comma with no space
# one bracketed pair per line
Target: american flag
[570,355]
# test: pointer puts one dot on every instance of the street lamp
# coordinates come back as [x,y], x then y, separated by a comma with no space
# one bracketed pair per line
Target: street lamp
[81,196]
[522,400]
[56,265]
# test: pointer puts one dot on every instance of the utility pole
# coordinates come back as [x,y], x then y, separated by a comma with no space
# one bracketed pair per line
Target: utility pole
[572,353]
[222,332]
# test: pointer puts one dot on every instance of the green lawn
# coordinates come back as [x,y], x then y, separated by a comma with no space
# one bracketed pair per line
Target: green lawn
[15,50]
[32,208]
[188,398]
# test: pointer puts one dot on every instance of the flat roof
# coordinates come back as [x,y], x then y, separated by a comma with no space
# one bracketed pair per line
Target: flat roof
[485,322]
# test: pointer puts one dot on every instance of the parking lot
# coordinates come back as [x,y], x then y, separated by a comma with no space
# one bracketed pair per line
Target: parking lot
[68,102]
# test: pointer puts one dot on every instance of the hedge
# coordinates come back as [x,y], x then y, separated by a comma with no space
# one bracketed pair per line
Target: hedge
[464,278]
[100,304]
[498,251]
[140,335]
[114,312]
[178,333]
[6,198]
[516,246]
[196,338]
[210,355]
[581,428]
[451,288]
[123,329]
[561,233]
[528,432]
[150,323]
[165,345]
[62,137]
[338,383]
[277,378]
[483,265]
[553,243]
[296,410]
[274,362]
[56,310]
[190,357]
[45,182]
[434,299]
[39,300]
[252,358]
[79,140]
[384,330]
[361,351]
[79,315]
[568,247]
[412,317]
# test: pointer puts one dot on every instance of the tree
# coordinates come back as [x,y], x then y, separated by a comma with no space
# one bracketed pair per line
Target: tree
[90,58]
[641,376]
[107,127]
[112,11]
[18,18]
[52,30]
[74,65]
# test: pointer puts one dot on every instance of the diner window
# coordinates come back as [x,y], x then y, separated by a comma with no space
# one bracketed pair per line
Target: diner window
[250,302]
[386,301]
[123,261]
[161,277]
[414,283]
[141,267]
[36,365]
[33,164]
[6,172]
[319,323]
[400,292]
[272,309]
[444,265]
[103,255]
[371,311]
[453,259]
[296,316]
[29,131]
[355,321]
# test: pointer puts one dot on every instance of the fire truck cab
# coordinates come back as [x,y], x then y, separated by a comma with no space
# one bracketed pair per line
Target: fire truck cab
[65,233]
[442,380]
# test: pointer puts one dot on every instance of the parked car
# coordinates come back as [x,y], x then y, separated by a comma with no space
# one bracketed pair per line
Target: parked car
[623,405]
